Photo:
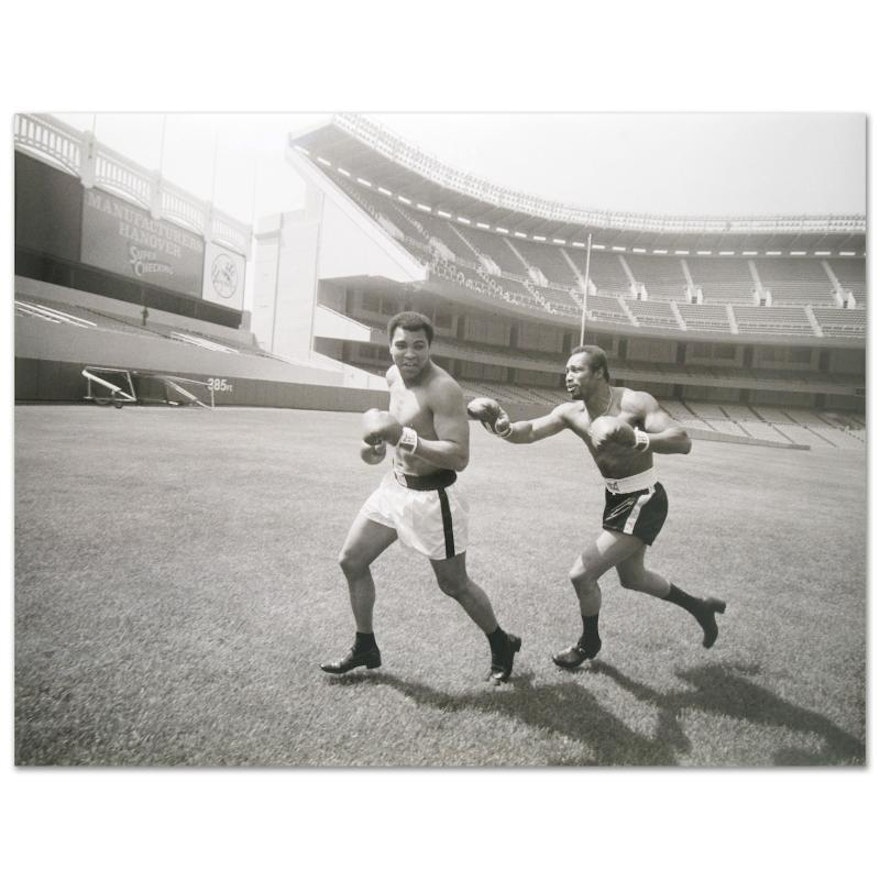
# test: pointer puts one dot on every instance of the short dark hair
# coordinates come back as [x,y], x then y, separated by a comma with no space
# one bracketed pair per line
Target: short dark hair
[412,321]
[598,360]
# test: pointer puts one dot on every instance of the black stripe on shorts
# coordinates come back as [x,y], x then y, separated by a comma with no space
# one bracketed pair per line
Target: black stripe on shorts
[446,514]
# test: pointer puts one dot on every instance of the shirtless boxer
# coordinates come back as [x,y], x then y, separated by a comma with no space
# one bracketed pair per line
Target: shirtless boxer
[417,500]
[622,430]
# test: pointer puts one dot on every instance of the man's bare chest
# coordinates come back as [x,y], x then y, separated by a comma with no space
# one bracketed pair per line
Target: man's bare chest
[411,407]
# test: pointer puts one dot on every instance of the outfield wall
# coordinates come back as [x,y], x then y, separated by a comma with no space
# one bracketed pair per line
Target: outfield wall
[47,381]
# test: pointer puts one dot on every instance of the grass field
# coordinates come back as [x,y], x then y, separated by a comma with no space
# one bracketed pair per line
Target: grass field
[177,587]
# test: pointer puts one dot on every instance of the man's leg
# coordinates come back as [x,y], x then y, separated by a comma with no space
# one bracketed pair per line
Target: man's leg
[634,576]
[609,549]
[454,581]
[366,540]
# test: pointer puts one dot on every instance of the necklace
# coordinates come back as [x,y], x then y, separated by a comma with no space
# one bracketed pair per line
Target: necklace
[607,406]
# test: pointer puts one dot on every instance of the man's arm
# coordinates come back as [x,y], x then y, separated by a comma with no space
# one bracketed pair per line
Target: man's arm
[496,421]
[451,449]
[665,435]
[532,430]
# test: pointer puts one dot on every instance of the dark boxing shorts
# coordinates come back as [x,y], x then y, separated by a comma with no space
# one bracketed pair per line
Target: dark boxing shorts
[640,512]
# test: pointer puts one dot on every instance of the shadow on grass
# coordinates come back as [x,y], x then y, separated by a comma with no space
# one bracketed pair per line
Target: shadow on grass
[721,689]
[569,710]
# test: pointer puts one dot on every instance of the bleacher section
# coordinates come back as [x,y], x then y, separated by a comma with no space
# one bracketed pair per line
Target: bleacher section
[709,411]
[795,282]
[807,436]
[762,431]
[607,309]
[717,419]
[496,248]
[722,279]
[851,275]
[846,323]
[406,221]
[663,277]
[653,314]
[609,276]
[492,286]
[713,318]
[681,413]
[442,230]
[561,302]
[550,259]
[777,319]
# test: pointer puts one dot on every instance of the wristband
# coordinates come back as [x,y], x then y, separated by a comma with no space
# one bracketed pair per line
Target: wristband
[409,440]
[643,440]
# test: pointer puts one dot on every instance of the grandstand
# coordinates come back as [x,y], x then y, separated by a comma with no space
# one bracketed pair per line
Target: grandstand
[849,277]
[795,282]
[662,277]
[660,290]
[723,279]
[700,311]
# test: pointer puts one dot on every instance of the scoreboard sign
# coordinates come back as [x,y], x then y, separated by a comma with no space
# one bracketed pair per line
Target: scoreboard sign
[122,238]
[223,277]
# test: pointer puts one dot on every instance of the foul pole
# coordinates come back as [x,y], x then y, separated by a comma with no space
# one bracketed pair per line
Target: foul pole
[586,286]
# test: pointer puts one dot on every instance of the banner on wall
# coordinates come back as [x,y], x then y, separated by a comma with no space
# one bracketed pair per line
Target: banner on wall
[124,239]
[223,277]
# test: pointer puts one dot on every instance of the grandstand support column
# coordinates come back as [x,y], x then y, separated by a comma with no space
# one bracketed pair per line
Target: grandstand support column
[586,286]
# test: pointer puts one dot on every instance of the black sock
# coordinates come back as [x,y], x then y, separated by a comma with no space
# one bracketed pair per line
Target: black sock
[590,638]
[364,641]
[684,600]
[704,610]
[497,640]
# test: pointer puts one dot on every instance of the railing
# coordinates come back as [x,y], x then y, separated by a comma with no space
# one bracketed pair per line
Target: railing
[49,138]
[113,171]
[78,153]
[395,148]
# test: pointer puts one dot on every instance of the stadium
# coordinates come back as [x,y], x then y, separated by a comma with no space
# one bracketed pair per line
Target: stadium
[158,408]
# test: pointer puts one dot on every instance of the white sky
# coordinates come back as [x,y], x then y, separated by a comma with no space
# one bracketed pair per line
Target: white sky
[658,163]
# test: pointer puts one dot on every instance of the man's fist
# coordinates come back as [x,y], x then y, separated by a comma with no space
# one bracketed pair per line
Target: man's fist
[373,454]
[490,414]
[607,430]
[380,426]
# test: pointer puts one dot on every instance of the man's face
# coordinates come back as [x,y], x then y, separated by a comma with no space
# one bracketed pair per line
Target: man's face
[579,378]
[410,351]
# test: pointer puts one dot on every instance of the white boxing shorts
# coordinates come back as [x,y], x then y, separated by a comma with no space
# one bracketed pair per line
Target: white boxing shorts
[429,514]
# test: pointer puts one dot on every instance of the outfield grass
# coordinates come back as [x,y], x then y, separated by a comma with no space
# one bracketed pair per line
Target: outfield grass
[177,586]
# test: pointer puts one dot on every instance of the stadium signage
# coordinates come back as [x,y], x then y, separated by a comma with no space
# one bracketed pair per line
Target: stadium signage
[122,238]
[223,277]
